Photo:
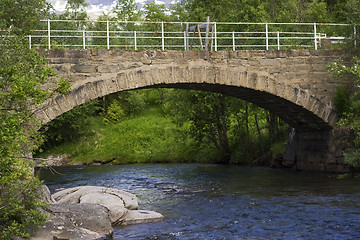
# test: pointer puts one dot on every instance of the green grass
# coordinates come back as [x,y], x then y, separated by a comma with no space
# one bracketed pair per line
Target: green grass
[149,138]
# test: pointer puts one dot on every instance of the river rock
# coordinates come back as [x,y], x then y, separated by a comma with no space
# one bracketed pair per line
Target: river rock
[141,216]
[117,208]
[76,221]
[51,161]
[73,195]
[122,206]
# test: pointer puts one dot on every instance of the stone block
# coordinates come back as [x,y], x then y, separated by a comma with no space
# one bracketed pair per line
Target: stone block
[61,68]
[108,68]
[269,62]
[84,68]
[243,54]
[275,54]
[218,55]
[162,61]
[146,61]
[78,53]
[63,60]
[56,53]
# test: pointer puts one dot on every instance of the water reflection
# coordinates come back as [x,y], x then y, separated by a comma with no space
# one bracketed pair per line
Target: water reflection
[228,202]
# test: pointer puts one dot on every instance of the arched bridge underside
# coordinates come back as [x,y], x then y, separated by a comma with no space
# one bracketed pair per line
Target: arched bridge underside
[293,84]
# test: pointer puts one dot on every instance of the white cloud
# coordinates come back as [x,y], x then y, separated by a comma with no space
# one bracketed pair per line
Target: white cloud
[59,5]
[97,7]
[159,2]
[96,10]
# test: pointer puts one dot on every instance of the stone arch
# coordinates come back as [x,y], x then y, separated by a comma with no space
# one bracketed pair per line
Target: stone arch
[296,106]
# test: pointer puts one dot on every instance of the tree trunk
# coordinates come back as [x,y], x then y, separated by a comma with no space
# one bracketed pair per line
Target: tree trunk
[259,134]
[247,125]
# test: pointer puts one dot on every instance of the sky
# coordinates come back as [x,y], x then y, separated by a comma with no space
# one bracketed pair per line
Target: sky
[96,7]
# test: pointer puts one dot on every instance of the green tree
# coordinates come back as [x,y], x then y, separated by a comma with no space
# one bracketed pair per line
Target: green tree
[127,10]
[23,72]
[70,125]
[76,10]
[21,16]
[349,106]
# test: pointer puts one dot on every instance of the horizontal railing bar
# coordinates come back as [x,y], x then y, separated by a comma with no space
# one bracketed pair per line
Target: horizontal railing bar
[222,23]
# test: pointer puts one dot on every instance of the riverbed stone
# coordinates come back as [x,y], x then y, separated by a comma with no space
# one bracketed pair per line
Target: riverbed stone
[73,195]
[122,206]
[75,221]
[116,208]
[141,216]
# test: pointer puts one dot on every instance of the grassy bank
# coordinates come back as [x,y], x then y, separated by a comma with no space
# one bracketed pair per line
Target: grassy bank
[149,138]
[166,125]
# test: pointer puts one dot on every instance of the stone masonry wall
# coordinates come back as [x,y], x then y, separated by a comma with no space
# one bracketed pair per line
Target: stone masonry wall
[294,84]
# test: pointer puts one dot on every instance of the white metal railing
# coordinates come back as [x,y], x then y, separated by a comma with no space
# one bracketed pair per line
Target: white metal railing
[176,35]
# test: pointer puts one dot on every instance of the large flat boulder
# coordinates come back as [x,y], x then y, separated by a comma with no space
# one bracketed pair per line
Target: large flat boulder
[122,206]
[141,216]
[73,195]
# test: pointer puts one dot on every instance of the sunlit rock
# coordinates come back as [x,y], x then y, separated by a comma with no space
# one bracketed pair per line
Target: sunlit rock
[122,206]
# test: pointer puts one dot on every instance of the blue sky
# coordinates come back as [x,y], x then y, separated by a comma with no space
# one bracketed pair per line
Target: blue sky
[96,7]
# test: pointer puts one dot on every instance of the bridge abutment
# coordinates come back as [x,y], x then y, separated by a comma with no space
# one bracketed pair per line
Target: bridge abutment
[315,150]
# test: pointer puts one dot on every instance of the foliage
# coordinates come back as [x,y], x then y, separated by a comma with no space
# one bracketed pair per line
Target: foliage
[21,16]
[76,10]
[115,113]
[19,199]
[22,71]
[227,124]
[126,10]
[342,100]
[350,117]
[69,126]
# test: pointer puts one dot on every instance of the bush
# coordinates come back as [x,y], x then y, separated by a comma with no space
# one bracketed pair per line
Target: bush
[342,100]
[353,158]
[19,200]
[114,114]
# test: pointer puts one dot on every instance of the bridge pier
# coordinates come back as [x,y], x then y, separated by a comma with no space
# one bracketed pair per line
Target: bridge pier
[310,149]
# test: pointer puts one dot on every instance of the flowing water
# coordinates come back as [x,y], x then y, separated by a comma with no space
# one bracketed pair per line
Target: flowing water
[206,201]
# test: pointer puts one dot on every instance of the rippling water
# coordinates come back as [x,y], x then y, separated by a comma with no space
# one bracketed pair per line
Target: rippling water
[227,202]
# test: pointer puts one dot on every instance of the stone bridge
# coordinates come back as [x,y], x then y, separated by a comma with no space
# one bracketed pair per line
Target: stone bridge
[293,84]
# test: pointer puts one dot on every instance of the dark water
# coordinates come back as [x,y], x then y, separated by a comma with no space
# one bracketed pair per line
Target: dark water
[228,202]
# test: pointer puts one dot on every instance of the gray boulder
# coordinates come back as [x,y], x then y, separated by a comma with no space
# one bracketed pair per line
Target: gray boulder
[76,221]
[74,195]
[141,216]
[122,206]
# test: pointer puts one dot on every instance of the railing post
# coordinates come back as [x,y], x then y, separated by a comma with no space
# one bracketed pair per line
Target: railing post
[278,40]
[162,37]
[30,41]
[185,41]
[135,42]
[233,38]
[187,37]
[267,36]
[315,41]
[49,35]
[84,42]
[215,35]
[355,43]
[207,33]
[107,35]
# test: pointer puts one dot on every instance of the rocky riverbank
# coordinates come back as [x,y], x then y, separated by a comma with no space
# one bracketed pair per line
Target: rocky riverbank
[89,212]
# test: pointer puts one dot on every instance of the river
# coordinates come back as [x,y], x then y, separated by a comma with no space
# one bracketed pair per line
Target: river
[207,201]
